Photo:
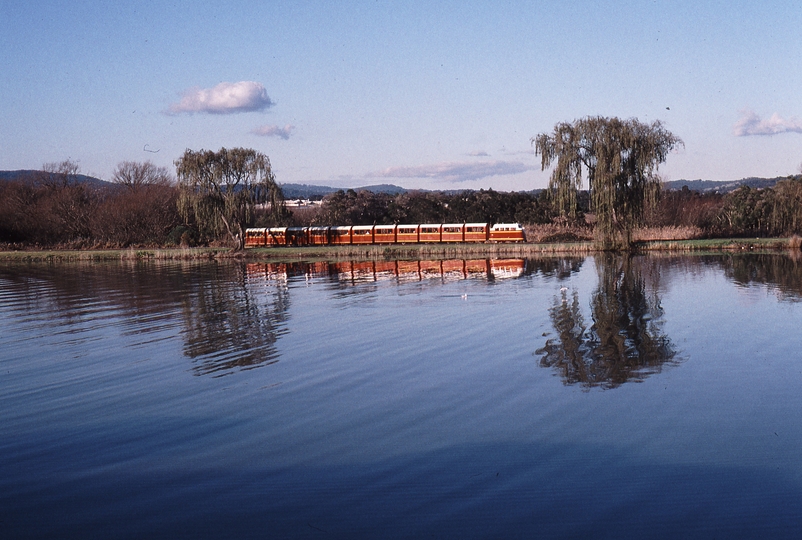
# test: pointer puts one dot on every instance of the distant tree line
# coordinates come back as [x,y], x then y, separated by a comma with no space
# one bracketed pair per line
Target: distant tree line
[775,211]
[218,194]
[349,207]
[54,208]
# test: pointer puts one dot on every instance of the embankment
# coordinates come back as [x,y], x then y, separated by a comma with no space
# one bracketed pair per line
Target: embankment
[410,251]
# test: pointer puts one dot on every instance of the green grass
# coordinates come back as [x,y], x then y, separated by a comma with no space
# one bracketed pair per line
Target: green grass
[718,244]
[411,251]
[111,254]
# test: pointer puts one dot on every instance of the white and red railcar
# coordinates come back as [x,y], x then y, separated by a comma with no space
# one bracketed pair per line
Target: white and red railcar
[384,234]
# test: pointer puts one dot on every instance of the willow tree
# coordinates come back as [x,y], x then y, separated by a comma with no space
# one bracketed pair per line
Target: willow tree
[220,190]
[619,158]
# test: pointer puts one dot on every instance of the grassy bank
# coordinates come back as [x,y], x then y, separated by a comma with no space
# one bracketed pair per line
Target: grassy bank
[308,253]
[420,251]
[114,254]
[722,244]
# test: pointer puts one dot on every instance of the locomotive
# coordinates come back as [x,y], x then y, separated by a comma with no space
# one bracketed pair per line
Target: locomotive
[429,233]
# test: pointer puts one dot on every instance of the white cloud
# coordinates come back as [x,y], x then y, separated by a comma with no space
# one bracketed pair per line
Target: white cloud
[751,124]
[455,172]
[478,153]
[225,98]
[274,131]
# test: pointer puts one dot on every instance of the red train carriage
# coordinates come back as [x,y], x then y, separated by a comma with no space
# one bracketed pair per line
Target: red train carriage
[340,235]
[276,236]
[408,234]
[453,232]
[319,236]
[430,232]
[476,232]
[506,232]
[362,234]
[255,237]
[385,234]
[297,236]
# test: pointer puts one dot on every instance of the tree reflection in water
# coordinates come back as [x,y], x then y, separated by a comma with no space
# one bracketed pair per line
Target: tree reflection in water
[232,325]
[782,273]
[624,342]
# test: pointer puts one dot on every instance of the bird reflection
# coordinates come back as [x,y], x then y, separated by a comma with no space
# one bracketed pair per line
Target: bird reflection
[623,341]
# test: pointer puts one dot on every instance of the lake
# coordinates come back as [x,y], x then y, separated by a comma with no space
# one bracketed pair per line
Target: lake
[653,396]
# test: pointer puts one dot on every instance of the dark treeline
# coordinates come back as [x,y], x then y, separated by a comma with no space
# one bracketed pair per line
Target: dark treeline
[53,208]
[747,211]
[368,208]
[139,208]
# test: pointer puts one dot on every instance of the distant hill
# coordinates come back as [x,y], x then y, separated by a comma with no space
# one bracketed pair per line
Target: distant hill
[384,188]
[291,191]
[314,192]
[27,175]
[710,186]
[304,191]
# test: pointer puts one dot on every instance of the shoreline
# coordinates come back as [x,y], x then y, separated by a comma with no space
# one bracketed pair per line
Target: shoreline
[384,252]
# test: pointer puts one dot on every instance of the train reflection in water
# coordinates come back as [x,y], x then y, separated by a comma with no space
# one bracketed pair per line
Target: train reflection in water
[368,271]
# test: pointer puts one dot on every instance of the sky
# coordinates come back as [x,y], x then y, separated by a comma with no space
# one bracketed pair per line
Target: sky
[424,95]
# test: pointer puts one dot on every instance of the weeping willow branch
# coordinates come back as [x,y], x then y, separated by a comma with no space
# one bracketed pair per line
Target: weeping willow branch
[220,190]
[620,159]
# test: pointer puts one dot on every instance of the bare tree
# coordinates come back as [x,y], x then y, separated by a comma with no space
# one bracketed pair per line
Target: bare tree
[59,173]
[135,174]
[66,203]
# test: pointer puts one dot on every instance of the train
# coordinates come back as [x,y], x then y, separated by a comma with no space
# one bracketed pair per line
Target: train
[427,233]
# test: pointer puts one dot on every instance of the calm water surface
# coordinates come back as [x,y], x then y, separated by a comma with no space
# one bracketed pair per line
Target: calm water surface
[651,397]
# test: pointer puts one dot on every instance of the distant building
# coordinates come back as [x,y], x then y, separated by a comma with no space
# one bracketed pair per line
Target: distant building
[302,203]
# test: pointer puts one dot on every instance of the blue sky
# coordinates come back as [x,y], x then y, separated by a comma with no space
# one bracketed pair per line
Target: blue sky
[433,95]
